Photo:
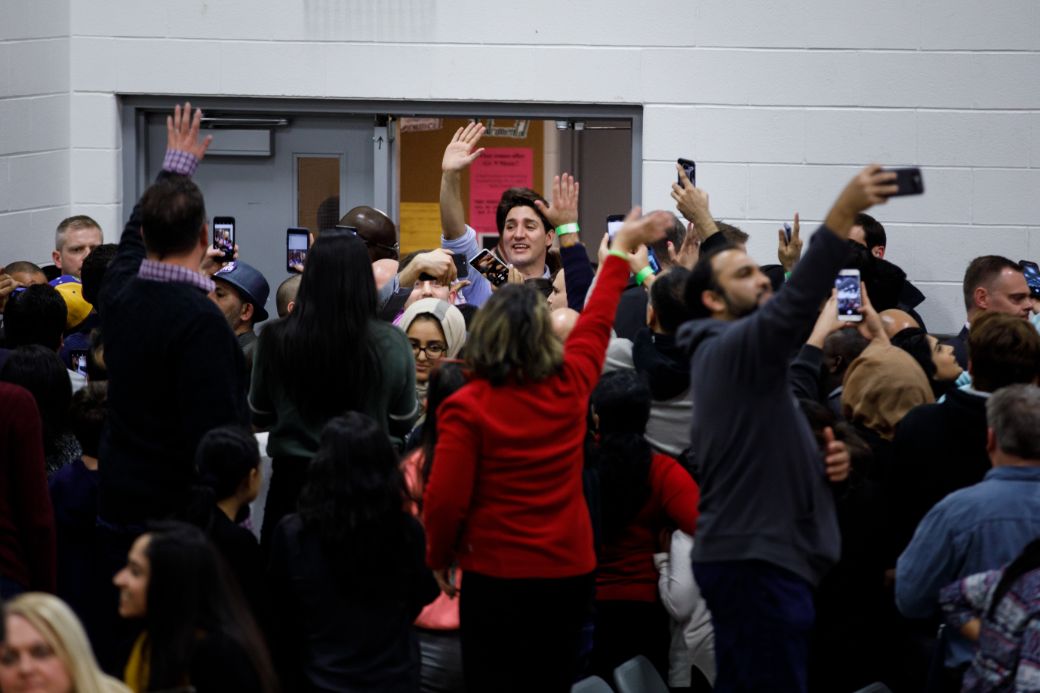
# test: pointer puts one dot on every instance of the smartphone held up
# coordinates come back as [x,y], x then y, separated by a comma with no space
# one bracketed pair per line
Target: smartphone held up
[224,237]
[850,296]
[297,243]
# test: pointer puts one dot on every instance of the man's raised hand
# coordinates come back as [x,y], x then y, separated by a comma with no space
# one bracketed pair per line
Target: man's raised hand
[182,131]
[564,206]
[461,152]
[871,186]
[788,252]
[639,230]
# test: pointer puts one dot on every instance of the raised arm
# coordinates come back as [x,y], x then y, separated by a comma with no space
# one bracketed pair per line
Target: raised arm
[693,205]
[459,154]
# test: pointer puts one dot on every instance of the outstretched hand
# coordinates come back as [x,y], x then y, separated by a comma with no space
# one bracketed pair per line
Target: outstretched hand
[871,327]
[214,260]
[461,152]
[639,230]
[789,252]
[564,206]
[182,131]
[871,186]
[690,250]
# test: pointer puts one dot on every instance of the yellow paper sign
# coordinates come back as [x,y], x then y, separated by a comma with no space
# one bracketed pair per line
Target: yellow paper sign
[420,226]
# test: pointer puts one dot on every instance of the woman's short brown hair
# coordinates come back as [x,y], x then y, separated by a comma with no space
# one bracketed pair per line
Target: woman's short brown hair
[1002,350]
[512,338]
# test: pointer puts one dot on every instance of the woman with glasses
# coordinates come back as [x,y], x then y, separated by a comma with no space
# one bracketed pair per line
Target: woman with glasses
[435,330]
[330,355]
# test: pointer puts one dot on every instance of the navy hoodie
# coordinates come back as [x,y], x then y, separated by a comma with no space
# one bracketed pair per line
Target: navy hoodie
[764,493]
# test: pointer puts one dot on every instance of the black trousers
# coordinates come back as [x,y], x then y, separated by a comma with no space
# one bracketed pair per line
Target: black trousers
[288,475]
[522,634]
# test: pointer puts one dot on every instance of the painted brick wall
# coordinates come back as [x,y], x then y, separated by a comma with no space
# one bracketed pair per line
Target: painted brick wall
[34,126]
[778,102]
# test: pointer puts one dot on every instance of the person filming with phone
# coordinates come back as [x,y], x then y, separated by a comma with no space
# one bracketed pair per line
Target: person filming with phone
[753,448]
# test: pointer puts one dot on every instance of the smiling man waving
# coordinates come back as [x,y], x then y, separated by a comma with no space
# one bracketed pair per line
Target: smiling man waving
[526,223]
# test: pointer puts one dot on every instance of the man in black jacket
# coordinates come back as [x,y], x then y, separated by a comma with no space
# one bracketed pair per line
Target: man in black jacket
[175,368]
[767,530]
[939,448]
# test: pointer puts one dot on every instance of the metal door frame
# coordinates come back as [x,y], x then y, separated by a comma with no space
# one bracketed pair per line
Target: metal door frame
[386,189]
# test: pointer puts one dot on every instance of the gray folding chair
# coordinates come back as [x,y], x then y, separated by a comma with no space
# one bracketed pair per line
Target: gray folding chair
[638,675]
[592,684]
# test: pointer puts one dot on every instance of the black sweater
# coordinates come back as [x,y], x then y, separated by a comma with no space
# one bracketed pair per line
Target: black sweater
[175,371]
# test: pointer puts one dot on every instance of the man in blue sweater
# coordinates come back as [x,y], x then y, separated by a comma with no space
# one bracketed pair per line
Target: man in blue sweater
[767,530]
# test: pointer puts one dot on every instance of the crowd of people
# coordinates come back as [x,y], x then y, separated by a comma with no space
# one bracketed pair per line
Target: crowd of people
[487,485]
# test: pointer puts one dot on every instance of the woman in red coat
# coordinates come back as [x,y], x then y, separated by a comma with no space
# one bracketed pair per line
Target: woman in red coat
[505,499]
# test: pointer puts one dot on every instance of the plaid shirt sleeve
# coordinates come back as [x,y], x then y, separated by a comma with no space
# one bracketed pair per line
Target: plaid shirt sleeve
[180,162]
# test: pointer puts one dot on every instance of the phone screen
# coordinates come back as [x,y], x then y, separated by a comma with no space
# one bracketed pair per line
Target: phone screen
[1032,272]
[224,236]
[850,300]
[652,258]
[297,242]
[614,223]
[79,361]
[491,267]
[690,167]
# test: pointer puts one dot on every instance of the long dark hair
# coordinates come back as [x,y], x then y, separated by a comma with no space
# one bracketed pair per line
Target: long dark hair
[354,501]
[445,380]
[1026,561]
[621,401]
[40,371]
[323,345]
[189,590]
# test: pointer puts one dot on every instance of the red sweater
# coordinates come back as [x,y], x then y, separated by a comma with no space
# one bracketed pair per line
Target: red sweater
[26,517]
[626,571]
[505,496]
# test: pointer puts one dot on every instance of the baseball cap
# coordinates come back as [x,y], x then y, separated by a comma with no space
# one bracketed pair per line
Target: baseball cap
[71,289]
[248,280]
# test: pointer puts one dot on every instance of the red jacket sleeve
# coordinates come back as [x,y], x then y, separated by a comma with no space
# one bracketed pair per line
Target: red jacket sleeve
[678,492]
[586,347]
[450,488]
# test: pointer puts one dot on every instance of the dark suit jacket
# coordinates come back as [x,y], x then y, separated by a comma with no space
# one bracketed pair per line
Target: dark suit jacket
[960,346]
[938,449]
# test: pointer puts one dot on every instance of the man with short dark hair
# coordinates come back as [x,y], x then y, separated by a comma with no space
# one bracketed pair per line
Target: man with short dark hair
[526,223]
[175,369]
[241,294]
[939,448]
[870,233]
[982,527]
[35,315]
[25,273]
[74,240]
[991,283]
[767,531]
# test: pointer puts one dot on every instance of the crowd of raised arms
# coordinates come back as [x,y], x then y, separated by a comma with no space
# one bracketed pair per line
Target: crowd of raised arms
[515,474]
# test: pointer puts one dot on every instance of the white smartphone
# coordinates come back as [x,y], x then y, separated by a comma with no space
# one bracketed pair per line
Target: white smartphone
[850,297]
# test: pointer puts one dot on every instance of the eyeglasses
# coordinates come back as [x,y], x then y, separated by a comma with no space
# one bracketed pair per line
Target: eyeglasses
[433,350]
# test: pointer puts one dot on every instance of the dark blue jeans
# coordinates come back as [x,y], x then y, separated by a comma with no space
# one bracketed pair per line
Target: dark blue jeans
[763,616]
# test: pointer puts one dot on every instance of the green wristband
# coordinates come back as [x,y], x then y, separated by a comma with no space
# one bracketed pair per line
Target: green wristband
[643,274]
[618,253]
[564,229]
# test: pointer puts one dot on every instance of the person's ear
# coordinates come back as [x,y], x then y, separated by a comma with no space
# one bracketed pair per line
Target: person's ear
[204,235]
[56,257]
[981,297]
[246,312]
[991,442]
[878,251]
[713,301]
[289,307]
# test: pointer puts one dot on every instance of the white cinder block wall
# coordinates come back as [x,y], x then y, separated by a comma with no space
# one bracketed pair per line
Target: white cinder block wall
[778,102]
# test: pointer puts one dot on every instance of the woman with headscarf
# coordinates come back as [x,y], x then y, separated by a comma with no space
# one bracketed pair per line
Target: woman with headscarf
[436,330]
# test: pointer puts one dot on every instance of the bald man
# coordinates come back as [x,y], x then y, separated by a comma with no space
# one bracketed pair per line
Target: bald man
[376,229]
[563,320]
[896,320]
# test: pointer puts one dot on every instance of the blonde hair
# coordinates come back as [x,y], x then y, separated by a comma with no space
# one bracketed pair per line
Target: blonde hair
[512,338]
[62,632]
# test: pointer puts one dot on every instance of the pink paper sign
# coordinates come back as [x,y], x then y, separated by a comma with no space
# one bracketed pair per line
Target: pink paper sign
[494,171]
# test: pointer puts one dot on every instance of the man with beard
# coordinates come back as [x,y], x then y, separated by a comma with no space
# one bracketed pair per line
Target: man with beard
[767,531]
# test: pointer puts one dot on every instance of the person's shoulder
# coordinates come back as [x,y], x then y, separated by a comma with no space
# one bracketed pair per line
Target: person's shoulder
[387,336]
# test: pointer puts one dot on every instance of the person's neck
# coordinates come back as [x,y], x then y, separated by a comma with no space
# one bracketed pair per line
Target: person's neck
[242,328]
[230,507]
[89,462]
[189,261]
[999,458]
[535,270]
